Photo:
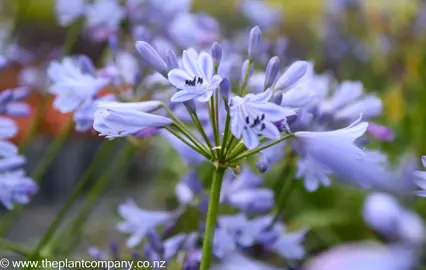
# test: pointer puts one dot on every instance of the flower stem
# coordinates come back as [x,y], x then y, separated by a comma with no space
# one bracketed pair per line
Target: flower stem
[206,155]
[200,128]
[14,248]
[245,79]
[211,218]
[102,152]
[118,165]
[256,150]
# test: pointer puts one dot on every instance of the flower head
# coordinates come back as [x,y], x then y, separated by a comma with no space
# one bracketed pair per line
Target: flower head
[15,187]
[71,86]
[138,222]
[335,152]
[254,115]
[196,79]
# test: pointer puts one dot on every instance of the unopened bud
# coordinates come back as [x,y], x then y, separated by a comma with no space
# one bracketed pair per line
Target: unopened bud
[262,163]
[272,70]
[255,38]
[277,98]
[216,53]
[152,58]
[293,74]
[172,61]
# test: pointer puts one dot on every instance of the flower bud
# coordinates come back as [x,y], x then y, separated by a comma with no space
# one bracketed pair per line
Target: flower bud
[272,70]
[151,56]
[216,53]
[172,61]
[380,132]
[293,74]
[277,98]
[225,90]
[255,38]
[262,163]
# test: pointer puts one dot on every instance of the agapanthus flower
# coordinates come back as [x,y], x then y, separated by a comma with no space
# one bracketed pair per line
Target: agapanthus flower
[196,78]
[68,11]
[11,104]
[8,129]
[117,119]
[71,85]
[383,213]
[262,232]
[84,115]
[364,256]
[191,29]
[260,13]
[348,102]
[254,115]
[420,179]
[104,17]
[244,193]
[138,222]
[16,187]
[335,152]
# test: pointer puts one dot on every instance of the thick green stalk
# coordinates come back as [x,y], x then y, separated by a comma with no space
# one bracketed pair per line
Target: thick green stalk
[211,218]
[82,182]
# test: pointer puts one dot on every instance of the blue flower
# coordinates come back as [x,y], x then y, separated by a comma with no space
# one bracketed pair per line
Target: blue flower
[260,13]
[383,213]
[68,11]
[84,115]
[421,179]
[11,104]
[364,256]
[335,152]
[8,129]
[71,86]
[196,79]
[104,16]
[348,102]
[243,192]
[117,119]
[15,187]
[138,222]
[255,115]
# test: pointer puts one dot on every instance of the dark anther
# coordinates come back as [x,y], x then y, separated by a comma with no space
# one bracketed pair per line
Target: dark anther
[200,80]
[262,117]
[193,81]
[262,127]
[247,120]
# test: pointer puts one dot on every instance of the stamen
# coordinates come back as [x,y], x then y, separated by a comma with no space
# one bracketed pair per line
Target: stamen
[262,117]
[247,120]
[262,127]
[200,80]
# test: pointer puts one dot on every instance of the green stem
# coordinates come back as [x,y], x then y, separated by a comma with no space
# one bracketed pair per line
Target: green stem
[14,248]
[186,131]
[256,150]
[200,128]
[102,152]
[245,80]
[187,143]
[120,162]
[225,136]
[211,218]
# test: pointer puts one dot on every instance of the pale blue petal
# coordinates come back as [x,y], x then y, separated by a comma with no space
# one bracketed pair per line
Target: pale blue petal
[183,95]
[271,131]
[177,77]
[250,139]
[190,62]
[205,62]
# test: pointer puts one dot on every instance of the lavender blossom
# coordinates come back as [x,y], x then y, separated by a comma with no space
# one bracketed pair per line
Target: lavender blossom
[71,86]
[11,104]
[334,152]
[116,119]
[151,56]
[15,187]
[8,129]
[138,222]
[104,17]
[85,114]
[260,13]
[385,215]
[244,192]
[364,256]
[68,11]
[196,79]
[255,115]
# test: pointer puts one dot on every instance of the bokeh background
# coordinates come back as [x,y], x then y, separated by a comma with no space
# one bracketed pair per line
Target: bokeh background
[382,44]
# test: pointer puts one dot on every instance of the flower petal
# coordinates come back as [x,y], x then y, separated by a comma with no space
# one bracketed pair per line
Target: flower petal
[183,95]
[250,139]
[205,64]
[178,77]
